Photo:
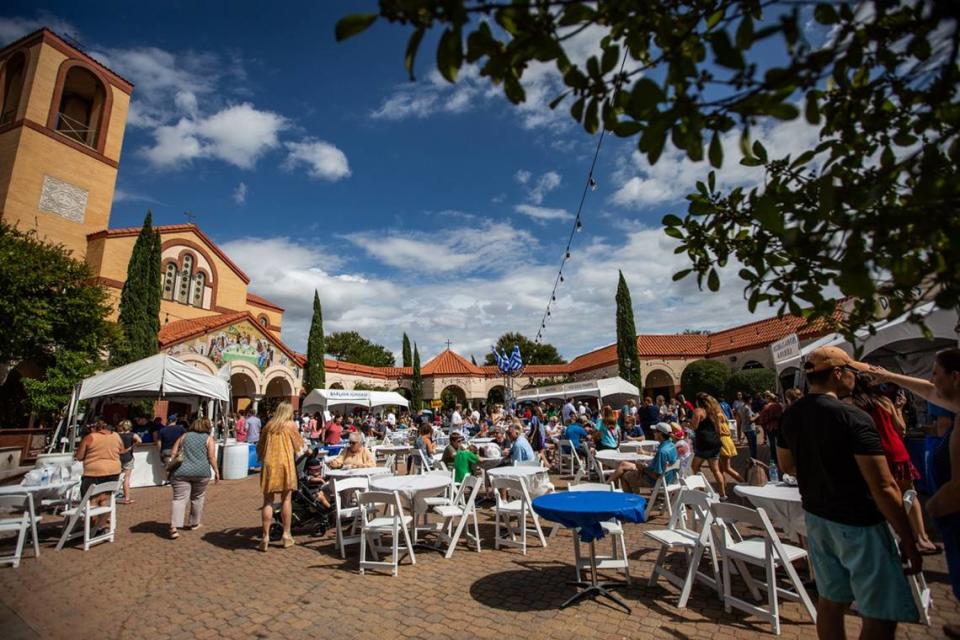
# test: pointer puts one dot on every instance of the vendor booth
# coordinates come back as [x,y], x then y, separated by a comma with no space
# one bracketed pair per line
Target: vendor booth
[320,399]
[159,377]
[617,390]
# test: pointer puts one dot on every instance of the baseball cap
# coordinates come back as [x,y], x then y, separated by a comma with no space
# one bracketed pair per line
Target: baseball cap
[663,428]
[824,358]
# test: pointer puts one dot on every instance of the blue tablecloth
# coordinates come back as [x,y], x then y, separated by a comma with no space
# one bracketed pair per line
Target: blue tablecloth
[585,510]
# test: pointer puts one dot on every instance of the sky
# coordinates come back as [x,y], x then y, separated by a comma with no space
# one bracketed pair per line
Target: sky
[422,207]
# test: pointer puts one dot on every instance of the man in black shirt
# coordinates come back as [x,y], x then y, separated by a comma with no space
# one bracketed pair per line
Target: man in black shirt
[849,496]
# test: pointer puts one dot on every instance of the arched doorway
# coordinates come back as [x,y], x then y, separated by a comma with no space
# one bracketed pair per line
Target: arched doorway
[752,364]
[278,390]
[789,378]
[453,395]
[336,385]
[658,383]
[242,391]
[497,395]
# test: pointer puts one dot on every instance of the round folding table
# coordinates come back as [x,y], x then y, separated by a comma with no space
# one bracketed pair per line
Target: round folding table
[584,511]
[358,472]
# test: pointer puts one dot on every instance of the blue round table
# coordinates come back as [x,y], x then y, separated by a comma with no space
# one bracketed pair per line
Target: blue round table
[583,511]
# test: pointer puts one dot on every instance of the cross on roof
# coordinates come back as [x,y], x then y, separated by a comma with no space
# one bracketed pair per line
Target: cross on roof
[448,344]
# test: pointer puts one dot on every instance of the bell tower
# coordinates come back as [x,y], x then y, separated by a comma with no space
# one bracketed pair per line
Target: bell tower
[62,118]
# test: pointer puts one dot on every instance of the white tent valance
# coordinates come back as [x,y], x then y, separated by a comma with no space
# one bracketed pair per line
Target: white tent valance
[160,375]
[595,388]
[319,399]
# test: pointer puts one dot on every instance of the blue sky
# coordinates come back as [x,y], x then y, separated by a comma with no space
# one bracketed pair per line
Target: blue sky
[440,210]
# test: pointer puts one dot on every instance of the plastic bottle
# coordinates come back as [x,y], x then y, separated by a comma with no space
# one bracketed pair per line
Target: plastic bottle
[774,472]
[45,479]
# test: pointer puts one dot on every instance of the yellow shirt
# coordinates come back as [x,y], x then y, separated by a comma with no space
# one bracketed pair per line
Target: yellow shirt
[100,453]
[358,459]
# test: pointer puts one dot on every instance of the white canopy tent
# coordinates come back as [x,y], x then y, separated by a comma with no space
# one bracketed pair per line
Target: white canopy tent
[159,376]
[604,388]
[320,399]
[896,342]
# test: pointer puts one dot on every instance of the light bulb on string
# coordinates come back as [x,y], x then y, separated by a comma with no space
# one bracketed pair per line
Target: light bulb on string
[561,277]
[593,184]
[568,255]
[579,225]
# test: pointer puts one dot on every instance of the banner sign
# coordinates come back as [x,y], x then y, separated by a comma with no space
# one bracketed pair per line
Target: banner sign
[785,349]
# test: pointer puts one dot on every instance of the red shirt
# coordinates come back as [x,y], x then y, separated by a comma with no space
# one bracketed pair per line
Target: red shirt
[334,431]
[890,439]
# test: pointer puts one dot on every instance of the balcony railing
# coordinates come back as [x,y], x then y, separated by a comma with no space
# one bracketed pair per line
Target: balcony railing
[76,130]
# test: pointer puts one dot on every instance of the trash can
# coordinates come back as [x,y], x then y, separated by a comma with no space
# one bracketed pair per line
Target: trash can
[253,460]
[236,459]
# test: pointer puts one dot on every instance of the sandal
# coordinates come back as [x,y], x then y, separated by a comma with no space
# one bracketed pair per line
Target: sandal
[288,542]
[125,501]
[192,527]
[264,544]
[174,534]
[936,550]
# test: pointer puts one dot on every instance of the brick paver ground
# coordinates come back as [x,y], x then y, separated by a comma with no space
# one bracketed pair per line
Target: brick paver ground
[213,583]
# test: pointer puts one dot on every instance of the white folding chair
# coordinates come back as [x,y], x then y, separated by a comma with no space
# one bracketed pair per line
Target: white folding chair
[421,462]
[594,466]
[664,490]
[463,507]
[918,584]
[618,547]
[393,522]
[765,551]
[517,505]
[88,512]
[15,517]
[569,458]
[352,488]
[694,542]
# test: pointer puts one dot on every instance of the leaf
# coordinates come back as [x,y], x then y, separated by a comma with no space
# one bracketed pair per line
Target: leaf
[825,14]
[645,95]
[724,52]
[714,18]
[812,110]
[450,54]
[713,280]
[611,55]
[783,111]
[712,180]
[591,121]
[759,151]
[680,275]
[576,110]
[671,220]
[744,37]
[411,54]
[349,26]
[716,151]
[766,213]
[674,232]
[556,101]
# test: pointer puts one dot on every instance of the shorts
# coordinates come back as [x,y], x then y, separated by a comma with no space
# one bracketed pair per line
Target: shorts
[635,479]
[88,481]
[862,565]
[127,466]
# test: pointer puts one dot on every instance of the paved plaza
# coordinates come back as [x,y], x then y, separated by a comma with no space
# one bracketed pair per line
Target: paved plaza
[213,583]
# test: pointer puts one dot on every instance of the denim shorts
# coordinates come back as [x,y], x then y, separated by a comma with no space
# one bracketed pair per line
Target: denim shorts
[862,565]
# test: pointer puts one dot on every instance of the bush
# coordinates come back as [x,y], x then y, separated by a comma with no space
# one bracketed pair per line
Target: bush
[751,381]
[708,376]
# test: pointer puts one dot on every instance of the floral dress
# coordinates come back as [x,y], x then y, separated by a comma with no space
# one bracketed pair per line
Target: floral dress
[277,450]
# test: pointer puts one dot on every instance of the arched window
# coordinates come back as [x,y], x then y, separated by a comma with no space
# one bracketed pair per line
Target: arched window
[80,112]
[263,320]
[186,276]
[169,279]
[199,280]
[12,87]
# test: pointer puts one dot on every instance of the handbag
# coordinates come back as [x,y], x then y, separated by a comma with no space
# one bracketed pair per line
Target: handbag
[174,463]
[757,473]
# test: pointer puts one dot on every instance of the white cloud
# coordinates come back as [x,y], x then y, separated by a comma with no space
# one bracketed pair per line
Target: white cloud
[123,195]
[239,135]
[13,28]
[473,304]
[323,160]
[674,175]
[543,213]
[522,176]
[544,185]
[240,193]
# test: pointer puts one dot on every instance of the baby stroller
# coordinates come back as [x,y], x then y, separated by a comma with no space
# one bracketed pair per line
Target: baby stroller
[308,511]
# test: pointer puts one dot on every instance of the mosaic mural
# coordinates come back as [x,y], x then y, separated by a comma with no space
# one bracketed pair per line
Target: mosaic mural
[238,342]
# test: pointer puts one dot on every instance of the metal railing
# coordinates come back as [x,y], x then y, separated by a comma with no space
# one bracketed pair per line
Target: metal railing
[73,128]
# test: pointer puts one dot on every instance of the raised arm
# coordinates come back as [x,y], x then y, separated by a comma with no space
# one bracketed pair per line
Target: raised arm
[921,387]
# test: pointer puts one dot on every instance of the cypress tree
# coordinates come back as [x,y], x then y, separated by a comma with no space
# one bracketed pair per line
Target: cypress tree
[627,356]
[407,357]
[416,403]
[473,360]
[314,376]
[139,317]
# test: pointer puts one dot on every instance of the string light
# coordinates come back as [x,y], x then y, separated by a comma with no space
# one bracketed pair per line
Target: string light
[591,185]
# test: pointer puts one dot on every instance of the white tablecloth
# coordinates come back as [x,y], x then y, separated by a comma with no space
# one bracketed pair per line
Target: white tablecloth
[613,457]
[411,487]
[40,492]
[639,445]
[361,472]
[537,478]
[782,504]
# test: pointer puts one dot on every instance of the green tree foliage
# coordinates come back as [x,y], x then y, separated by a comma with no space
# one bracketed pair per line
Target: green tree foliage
[752,381]
[352,347]
[416,387]
[407,355]
[362,386]
[139,308]
[709,376]
[50,316]
[868,210]
[533,353]
[473,360]
[628,358]
[314,375]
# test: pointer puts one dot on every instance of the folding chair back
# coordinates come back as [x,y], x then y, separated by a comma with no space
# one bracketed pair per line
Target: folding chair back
[15,516]
[922,597]
[463,507]
[662,490]
[518,505]
[87,512]
[391,522]
[345,492]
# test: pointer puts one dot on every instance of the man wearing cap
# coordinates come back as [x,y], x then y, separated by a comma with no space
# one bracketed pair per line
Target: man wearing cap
[450,451]
[633,477]
[848,496]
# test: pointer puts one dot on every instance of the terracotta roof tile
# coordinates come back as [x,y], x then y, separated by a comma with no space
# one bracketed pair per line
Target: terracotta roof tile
[262,302]
[180,330]
[450,363]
